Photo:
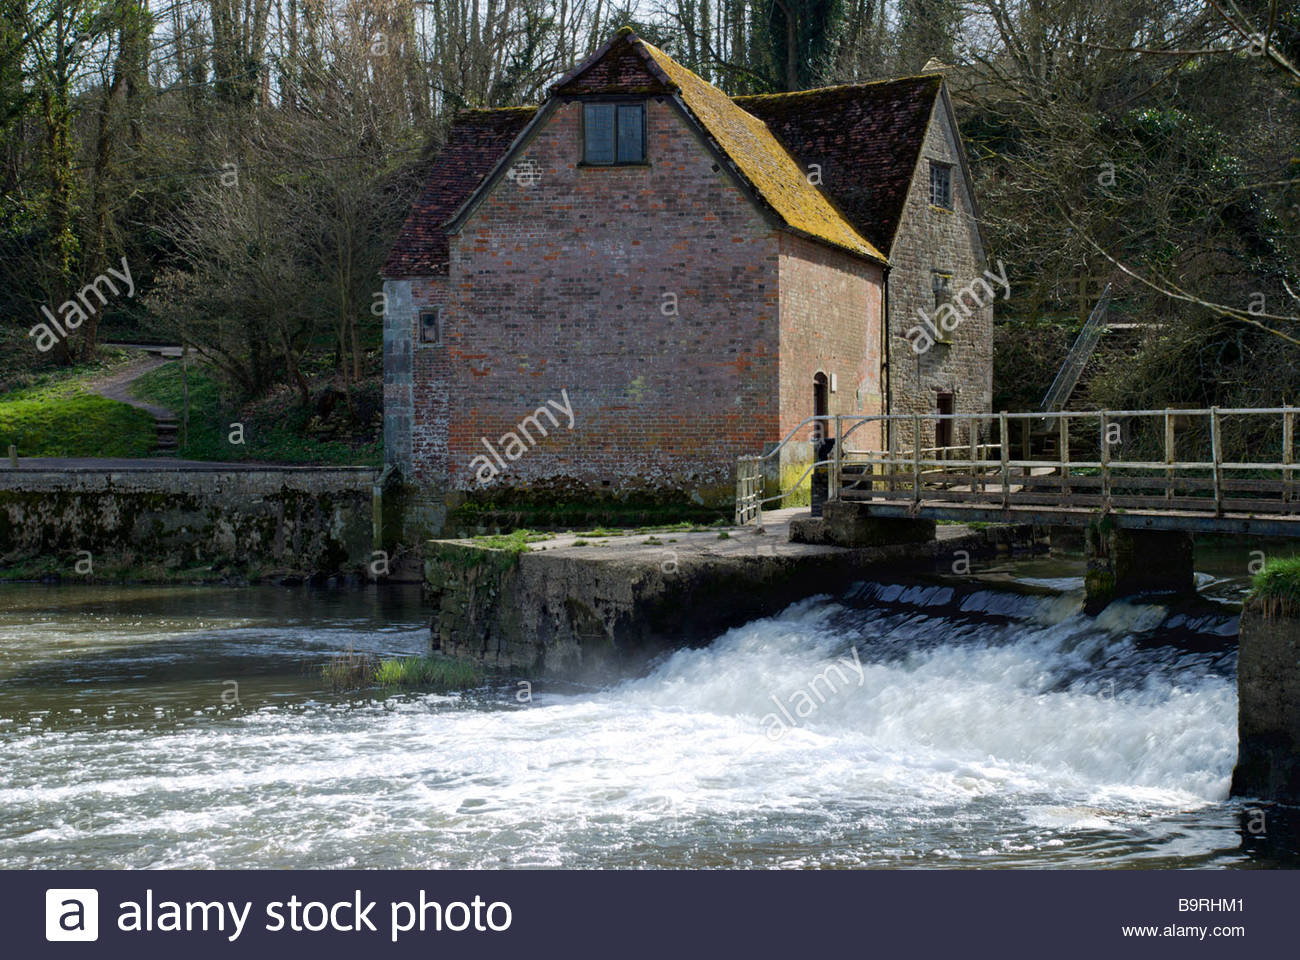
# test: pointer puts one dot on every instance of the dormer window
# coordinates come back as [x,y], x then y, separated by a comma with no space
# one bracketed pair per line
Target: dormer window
[613,134]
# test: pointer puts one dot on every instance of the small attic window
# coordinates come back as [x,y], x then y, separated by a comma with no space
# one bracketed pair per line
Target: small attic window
[940,185]
[430,327]
[613,133]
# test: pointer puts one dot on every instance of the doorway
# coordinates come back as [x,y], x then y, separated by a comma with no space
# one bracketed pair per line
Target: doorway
[821,406]
[943,431]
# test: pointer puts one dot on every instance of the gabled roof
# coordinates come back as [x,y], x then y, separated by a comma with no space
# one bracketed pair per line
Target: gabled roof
[771,171]
[477,140]
[866,137]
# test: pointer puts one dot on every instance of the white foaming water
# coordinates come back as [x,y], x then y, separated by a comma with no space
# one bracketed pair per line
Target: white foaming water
[825,736]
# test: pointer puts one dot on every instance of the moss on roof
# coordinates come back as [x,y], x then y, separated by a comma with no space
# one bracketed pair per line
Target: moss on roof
[867,137]
[844,91]
[774,173]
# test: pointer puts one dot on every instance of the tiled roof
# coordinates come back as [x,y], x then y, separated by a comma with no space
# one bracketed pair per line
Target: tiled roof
[866,137]
[768,166]
[477,140]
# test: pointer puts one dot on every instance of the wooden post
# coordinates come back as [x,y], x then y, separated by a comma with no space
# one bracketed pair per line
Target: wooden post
[13,457]
[1026,445]
[1105,462]
[1004,448]
[1063,448]
[974,452]
[1288,453]
[916,457]
[833,491]
[1216,456]
[1169,454]
[892,455]
[185,394]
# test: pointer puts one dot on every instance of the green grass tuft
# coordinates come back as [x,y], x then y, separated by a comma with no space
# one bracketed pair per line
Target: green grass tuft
[1277,586]
[514,542]
[350,671]
[437,672]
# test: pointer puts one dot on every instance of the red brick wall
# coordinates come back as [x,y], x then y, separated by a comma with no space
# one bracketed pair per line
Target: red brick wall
[560,285]
[830,323]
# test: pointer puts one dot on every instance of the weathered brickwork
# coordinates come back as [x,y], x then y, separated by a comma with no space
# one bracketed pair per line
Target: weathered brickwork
[648,295]
[830,324]
[931,239]
[631,330]
[399,397]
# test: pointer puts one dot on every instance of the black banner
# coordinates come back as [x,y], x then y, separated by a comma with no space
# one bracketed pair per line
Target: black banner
[648,914]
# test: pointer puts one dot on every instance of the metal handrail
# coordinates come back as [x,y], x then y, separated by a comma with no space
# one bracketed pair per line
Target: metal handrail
[1067,378]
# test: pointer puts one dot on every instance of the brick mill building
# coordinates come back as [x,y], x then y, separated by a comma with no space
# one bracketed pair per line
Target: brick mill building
[624,289]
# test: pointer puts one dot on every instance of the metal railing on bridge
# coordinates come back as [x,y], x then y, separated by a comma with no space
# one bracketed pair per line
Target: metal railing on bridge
[1211,462]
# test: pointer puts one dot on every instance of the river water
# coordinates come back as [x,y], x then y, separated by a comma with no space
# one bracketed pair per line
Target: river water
[923,724]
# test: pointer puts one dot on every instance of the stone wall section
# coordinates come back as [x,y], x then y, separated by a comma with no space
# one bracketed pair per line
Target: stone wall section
[931,239]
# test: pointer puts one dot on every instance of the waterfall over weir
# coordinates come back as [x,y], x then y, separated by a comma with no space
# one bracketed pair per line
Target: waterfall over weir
[912,724]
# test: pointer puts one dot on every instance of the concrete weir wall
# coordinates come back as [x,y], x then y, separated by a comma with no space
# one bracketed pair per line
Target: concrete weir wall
[585,611]
[291,519]
[1268,703]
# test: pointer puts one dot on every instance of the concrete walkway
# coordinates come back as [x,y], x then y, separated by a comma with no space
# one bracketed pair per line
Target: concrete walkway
[772,539]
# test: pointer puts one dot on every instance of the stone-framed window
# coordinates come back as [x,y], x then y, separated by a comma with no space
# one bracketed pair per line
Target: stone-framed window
[613,134]
[940,185]
[430,328]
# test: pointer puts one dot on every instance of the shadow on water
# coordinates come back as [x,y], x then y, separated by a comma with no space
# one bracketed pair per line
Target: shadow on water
[100,648]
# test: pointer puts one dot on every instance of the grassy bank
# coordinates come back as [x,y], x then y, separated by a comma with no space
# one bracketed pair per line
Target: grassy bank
[276,429]
[57,416]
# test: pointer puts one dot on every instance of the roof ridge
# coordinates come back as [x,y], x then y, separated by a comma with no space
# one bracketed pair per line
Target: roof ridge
[479,111]
[835,87]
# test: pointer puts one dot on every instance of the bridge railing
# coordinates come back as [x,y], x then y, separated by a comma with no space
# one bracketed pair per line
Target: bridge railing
[1216,460]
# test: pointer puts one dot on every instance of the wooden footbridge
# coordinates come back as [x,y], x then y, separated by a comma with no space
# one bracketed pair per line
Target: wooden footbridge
[1213,470]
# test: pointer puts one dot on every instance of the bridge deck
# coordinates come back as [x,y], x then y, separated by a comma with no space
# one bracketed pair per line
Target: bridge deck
[1131,470]
[1262,525]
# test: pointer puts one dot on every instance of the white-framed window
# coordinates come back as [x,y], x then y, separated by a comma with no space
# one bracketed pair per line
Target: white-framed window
[940,185]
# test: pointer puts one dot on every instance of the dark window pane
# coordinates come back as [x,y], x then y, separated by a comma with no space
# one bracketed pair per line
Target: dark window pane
[429,327]
[598,126]
[631,133]
[941,186]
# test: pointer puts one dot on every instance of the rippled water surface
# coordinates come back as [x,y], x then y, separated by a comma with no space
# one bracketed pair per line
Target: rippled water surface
[900,725]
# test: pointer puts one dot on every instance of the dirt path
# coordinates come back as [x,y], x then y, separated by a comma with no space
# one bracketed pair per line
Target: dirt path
[115,386]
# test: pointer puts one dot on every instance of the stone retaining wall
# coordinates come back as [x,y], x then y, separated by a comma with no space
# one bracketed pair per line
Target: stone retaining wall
[294,520]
